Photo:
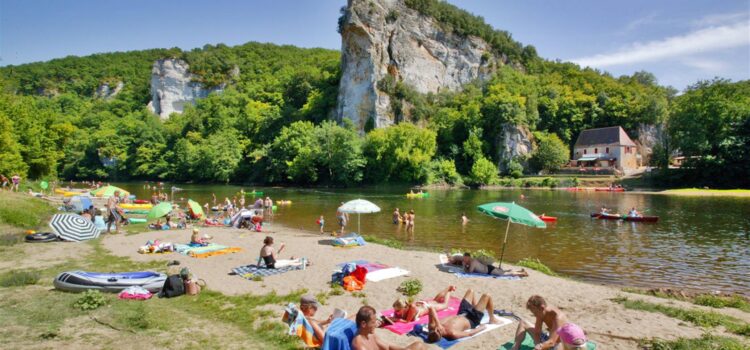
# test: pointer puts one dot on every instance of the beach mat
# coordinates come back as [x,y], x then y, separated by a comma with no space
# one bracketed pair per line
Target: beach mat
[250,271]
[459,272]
[377,272]
[528,344]
[403,328]
[205,251]
[420,331]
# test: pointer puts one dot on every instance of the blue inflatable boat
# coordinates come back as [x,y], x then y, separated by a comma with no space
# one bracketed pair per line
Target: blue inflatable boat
[113,282]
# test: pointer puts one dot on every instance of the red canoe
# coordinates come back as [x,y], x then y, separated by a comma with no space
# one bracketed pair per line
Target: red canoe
[141,201]
[548,218]
[606,216]
[607,189]
[641,218]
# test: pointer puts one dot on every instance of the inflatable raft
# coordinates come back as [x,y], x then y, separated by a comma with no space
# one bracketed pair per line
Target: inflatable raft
[546,218]
[79,281]
[136,220]
[418,195]
[136,206]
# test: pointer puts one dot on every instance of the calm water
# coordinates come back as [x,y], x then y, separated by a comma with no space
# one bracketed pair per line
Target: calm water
[698,243]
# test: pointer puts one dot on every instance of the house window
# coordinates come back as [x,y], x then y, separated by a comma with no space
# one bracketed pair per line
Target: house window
[606,150]
[596,150]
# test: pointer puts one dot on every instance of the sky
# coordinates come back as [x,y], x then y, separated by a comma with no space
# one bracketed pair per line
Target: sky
[679,41]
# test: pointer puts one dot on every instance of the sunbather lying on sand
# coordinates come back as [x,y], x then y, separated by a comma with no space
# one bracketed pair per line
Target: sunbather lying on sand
[409,312]
[472,265]
[466,323]
[366,339]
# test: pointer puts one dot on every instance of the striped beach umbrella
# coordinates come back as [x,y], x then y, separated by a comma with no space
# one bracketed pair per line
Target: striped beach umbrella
[72,227]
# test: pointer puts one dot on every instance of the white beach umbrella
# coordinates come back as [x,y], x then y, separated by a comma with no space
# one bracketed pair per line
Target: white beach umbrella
[359,206]
[71,227]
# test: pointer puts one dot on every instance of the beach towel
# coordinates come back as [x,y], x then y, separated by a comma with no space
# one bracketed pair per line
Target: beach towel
[377,272]
[205,251]
[135,293]
[403,328]
[250,271]
[420,331]
[459,271]
[350,240]
[339,335]
[528,344]
[301,327]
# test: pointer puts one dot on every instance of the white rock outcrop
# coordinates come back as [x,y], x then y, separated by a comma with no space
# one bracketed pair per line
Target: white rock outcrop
[514,142]
[106,92]
[384,37]
[173,86]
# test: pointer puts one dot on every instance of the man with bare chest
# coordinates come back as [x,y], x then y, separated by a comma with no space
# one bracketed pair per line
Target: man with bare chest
[366,339]
[466,323]
[560,329]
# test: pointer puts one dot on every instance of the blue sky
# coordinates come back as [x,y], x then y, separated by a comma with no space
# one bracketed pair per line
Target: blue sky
[679,41]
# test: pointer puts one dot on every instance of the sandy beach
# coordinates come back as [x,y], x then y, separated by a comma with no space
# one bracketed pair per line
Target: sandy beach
[609,324]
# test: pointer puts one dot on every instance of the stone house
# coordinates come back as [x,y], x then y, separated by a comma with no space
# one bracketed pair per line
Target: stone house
[605,148]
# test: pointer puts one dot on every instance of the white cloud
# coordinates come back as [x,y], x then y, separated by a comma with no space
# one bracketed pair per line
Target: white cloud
[639,22]
[707,65]
[721,18]
[699,41]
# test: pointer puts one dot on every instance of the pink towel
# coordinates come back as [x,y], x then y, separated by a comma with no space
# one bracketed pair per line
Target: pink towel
[403,328]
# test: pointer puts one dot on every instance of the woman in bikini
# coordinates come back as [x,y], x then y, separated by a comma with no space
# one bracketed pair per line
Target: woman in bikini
[410,312]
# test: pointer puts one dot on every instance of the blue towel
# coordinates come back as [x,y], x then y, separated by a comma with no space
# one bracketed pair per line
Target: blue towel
[420,331]
[339,335]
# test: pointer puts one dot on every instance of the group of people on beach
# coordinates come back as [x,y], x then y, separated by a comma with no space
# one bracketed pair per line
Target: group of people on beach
[12,184]
[466,322]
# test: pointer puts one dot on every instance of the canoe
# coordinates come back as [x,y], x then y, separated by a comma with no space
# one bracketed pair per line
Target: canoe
[136,220]
[136,206]
[136,211]
[607,189]
[548,218]
[641,218]
[141,201]
[79,281]
[418,195]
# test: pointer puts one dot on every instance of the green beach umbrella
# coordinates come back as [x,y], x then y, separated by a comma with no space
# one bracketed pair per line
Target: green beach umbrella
[109,191]
[160,210]
[195,209]
[513,213]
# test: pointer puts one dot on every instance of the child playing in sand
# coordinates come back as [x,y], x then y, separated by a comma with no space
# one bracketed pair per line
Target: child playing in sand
[197,239]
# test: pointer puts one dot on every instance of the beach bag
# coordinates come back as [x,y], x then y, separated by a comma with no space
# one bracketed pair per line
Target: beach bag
[192,287]
[173,286]
[360,273]
[351,283]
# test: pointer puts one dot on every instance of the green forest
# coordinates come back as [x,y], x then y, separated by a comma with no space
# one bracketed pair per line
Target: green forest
[275,122]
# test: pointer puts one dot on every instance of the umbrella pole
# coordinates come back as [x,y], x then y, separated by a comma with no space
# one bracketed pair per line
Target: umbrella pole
[359,229]
[505,241]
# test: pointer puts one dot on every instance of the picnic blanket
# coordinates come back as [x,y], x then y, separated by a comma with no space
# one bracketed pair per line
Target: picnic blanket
[528,344]
[458,271]
[420,331]
[250,271]
[339,335]
[377,272]
[403,328]
[205,251]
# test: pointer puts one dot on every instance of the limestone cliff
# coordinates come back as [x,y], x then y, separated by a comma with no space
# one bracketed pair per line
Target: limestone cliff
[384,37]
[514,142]
[173,86]
[106,92]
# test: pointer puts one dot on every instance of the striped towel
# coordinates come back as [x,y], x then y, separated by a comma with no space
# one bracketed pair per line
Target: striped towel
[250,271]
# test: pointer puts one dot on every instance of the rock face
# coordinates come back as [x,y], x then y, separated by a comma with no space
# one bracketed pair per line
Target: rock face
[513,142]
[649,136]
[172,87]
[105,92]
[384,37]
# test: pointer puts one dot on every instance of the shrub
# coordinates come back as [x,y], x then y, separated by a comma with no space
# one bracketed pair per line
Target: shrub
[536,265]
[90,300]
[410,288]
[484,172]
[19,278]
[515,169]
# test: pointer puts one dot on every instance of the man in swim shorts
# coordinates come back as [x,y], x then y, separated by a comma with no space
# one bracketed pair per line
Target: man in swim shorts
[472,265]
[560,329]
[466,323]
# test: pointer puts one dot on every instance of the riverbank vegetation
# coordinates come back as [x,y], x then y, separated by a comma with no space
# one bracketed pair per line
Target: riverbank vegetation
[273,122]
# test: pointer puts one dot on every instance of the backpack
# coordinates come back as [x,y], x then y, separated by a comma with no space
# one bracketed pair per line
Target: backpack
[173,286]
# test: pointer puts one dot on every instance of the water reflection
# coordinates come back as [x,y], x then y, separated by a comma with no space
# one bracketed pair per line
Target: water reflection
[698,243]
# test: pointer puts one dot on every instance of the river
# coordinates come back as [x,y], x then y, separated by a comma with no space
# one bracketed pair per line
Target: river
[699,243]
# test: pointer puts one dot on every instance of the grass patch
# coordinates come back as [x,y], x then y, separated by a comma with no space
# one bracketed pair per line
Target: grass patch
[707,192]
[710,300]
[10,239]
[537,265]
[23,211]
[707,341]
[384,241]
[19,278]
[696,317]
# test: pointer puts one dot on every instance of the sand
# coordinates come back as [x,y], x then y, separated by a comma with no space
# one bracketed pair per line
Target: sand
[607,323]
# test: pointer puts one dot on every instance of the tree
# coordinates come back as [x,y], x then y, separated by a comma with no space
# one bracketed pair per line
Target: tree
[399,152]
[340,156]
[484,172]
[550,154]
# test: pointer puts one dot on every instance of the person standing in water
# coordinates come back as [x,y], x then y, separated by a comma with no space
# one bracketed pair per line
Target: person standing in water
[464,219]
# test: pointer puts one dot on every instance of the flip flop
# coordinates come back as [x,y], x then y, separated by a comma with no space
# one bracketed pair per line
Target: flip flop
[506,314]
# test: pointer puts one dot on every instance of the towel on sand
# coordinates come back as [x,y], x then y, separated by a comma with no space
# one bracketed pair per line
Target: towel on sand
[250,271]
[403,327]
[528,344]
[459,271]
[205,251]
[421,331]
[339,335]
[377,272]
